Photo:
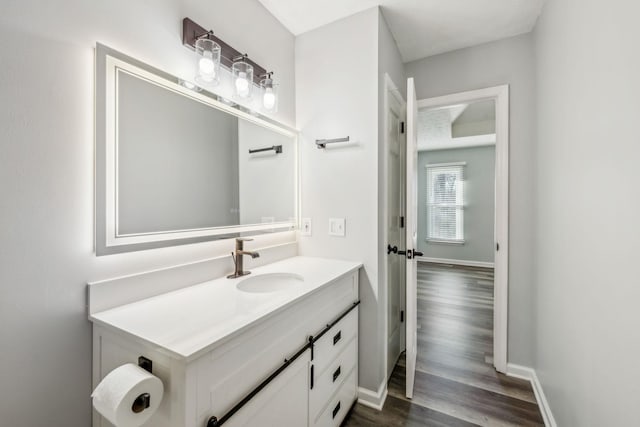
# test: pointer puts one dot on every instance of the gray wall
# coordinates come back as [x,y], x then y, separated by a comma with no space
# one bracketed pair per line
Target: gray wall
[509,61]
[177,161]
[479,189]
[46,179]
[587,209]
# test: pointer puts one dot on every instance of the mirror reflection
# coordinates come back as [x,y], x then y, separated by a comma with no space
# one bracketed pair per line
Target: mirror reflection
[180,164]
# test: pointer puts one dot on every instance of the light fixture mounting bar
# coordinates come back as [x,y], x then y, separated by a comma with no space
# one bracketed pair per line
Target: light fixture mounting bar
[192,31]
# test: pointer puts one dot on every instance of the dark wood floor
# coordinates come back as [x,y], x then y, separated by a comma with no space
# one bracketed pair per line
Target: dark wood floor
[456,384]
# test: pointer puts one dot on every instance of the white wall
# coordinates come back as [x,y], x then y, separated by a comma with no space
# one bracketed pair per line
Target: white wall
[509,61]
[336,96]
[587,209]
[46,179]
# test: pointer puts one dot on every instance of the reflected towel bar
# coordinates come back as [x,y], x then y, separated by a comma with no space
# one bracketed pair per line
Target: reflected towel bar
[276,148]
[322,143]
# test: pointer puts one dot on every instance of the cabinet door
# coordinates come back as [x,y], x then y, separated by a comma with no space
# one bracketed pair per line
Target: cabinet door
[284,402]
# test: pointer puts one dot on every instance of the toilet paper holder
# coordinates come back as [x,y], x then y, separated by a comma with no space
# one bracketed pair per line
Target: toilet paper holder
[145,364]
[143,401]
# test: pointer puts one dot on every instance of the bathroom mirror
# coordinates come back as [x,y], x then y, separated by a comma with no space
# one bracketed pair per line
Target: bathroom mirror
[176,164]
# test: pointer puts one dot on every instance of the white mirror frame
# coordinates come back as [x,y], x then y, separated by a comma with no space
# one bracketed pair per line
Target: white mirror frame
[127,242]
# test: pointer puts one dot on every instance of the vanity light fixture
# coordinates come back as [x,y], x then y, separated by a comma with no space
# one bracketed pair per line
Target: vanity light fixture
[242,77]
[269,93]
[208,52]
[226,56]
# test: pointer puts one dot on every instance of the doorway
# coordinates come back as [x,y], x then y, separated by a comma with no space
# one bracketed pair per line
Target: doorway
[449,210]
[406,290]
[475,391]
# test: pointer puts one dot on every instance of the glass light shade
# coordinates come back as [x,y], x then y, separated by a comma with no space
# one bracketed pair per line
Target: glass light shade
[208,53]
[242,73]
[269,95]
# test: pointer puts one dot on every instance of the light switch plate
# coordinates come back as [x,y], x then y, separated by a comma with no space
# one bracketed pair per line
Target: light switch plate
[306,227]
[337,227]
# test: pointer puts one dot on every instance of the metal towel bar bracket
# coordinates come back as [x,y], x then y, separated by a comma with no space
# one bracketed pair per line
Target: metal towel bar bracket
[276,148]
[322,143]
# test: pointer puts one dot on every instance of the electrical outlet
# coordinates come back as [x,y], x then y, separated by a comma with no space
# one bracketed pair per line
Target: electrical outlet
[306,227]
[337,227]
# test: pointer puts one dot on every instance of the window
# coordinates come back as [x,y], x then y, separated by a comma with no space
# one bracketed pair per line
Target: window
[445,202]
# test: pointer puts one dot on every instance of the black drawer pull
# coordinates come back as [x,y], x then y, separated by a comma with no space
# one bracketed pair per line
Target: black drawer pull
[336,410]
[337,337]
[336,374]
[311,380]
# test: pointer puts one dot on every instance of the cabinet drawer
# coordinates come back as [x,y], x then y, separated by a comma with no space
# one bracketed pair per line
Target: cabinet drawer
[334,341]
[339,403]
[327,382]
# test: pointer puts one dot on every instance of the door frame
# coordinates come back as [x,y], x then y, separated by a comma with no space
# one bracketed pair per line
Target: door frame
[389,88]
[500,94]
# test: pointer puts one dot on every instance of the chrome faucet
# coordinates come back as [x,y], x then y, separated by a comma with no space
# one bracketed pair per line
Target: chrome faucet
[237,258]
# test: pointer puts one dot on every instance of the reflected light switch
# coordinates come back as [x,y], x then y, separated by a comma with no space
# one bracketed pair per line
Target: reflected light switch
[337,227]
[306,227]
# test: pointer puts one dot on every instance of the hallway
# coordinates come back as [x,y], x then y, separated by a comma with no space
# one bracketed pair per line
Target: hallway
[456,384]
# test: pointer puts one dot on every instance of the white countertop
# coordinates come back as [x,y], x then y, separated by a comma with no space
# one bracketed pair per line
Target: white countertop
[190,321]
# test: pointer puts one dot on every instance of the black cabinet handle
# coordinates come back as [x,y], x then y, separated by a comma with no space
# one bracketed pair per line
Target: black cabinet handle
[337,337]
[336,410]
[311,378]
[416,253]
[336,374]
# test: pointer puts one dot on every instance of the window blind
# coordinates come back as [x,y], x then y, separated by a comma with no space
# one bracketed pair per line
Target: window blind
[445,202]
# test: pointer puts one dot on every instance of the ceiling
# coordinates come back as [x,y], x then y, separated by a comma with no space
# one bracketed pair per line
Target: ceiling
[457,126]
[421,27]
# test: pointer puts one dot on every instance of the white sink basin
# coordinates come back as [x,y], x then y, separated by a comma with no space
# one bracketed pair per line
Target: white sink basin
[270,282]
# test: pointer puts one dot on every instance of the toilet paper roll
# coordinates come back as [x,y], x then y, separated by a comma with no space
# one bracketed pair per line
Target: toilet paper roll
[122,392]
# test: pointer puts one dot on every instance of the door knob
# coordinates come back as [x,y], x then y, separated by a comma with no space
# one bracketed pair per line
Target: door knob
[393,249]
[413,253]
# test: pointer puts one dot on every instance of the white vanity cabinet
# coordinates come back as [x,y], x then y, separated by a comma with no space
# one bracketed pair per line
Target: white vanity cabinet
[205,376]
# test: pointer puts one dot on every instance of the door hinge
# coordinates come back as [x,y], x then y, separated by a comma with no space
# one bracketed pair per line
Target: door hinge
[401,316]
[401,127]
[497,246]
[401,222]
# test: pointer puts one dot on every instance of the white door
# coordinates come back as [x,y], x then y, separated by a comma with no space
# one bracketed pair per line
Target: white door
[395,232]
[412,236]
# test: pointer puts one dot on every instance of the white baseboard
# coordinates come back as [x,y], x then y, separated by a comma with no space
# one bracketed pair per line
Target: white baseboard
[529,374]
[456,262]
[373,399]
